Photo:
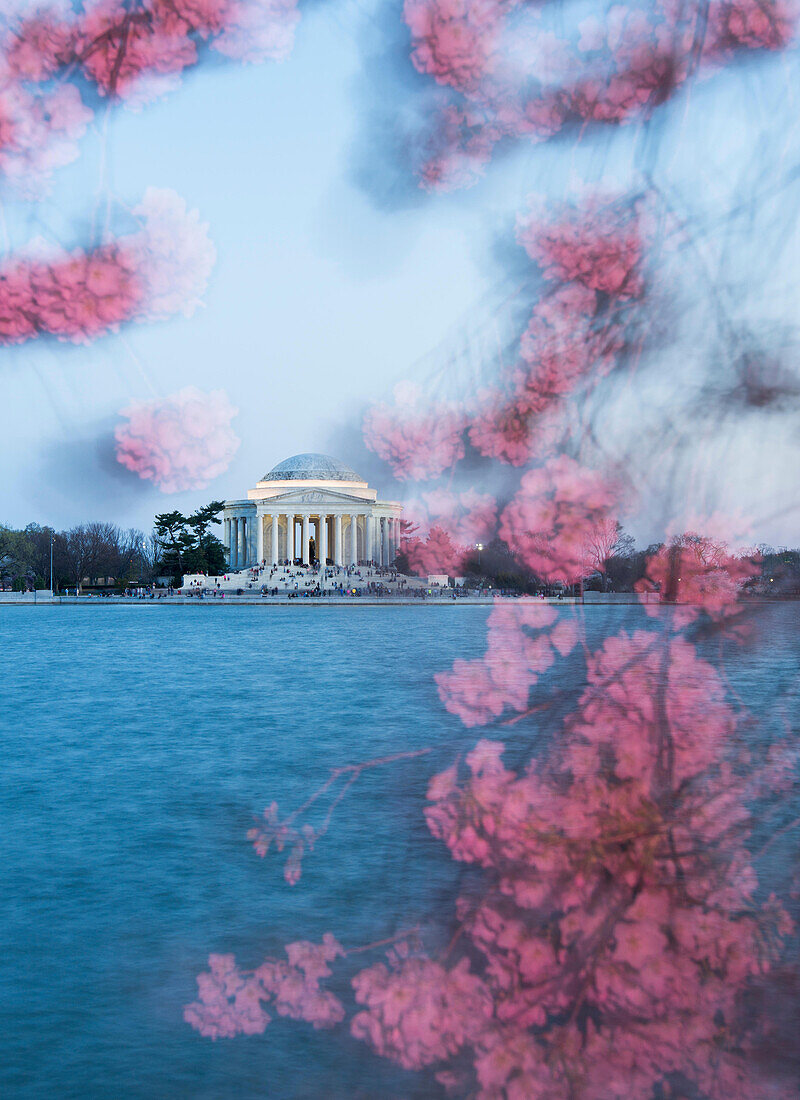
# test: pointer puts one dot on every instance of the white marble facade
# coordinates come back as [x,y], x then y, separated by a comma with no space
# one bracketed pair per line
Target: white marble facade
[308,507]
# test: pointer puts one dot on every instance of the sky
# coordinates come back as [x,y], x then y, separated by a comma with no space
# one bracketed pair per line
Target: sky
[319,300]
[335,279]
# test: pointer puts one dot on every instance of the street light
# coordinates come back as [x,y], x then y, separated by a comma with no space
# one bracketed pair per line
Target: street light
[479,547]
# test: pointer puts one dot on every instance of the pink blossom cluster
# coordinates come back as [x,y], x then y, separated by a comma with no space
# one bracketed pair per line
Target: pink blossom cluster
[74,295]
[455,41]
[699,576]
[230,1001]
[436,553]
[630,61]
[129,51]
[512,428]
[174,254]
[551,518]
[481,690]
[417,441]
[443,528]
[593,254]
[598,245]
[117,44]
[283,835]
[180,442]
[419,1013]
[565,340]
[80,295]
[39,132]
[618,924]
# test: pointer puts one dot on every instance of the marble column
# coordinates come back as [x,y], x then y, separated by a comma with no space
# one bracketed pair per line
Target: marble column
[337,541]
[242,541]
[290,538]
[234,541]
[306,551]
[368,537]
[323,540]
[226,535]
[259,538]
[274,541]
[353,539]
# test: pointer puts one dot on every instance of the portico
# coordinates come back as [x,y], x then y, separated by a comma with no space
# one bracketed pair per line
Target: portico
[311,508]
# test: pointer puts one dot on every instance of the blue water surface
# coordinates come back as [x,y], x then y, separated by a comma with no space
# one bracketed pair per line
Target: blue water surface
[138,743]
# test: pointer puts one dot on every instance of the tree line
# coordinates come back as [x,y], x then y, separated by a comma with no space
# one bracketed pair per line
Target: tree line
[126,557]
[178,544]
[614,564]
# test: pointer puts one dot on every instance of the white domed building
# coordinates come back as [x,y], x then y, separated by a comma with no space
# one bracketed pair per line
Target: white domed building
[311,507]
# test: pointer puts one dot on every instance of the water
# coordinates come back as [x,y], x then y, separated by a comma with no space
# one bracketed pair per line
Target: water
[138,743]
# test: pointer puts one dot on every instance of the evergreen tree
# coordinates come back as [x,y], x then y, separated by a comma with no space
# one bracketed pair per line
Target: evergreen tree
[187,545]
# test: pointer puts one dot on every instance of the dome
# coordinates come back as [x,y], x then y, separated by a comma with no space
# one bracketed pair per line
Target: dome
[311,467]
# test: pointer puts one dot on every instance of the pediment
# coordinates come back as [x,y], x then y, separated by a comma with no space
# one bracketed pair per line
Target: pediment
[314,496]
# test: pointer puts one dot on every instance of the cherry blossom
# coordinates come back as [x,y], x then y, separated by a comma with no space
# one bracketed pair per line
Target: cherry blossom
[629,62]
[552,516]
[437,553]
[519,428]
[288,834]
[443,527]
[284,836]
[599,244]
[174,254]
[230,1000]
[566,342]
[417,440]
[258,30]
[39,132]
[478,691]
[698,575]
[623,888]
[130,52]
[181,442]
[617,924]
[75,296]
[454,40]
[37,41]
[80,295]
[419,1013]
[123,50]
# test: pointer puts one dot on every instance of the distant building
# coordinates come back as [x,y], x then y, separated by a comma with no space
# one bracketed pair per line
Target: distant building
[308,507]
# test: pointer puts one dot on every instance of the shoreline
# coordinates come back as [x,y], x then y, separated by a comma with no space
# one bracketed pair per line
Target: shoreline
[622,599]
[274,601]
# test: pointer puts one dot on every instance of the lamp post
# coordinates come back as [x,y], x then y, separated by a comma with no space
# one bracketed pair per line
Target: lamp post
[51,563]
[479,547]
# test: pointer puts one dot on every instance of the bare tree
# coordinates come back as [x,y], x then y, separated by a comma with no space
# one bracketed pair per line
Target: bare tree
[602,543]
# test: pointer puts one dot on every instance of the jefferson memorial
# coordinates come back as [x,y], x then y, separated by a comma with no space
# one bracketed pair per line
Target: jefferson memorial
[310,507]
